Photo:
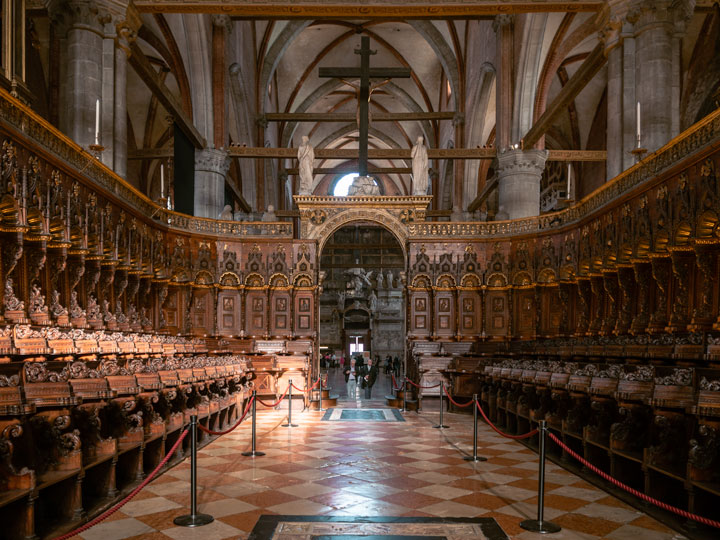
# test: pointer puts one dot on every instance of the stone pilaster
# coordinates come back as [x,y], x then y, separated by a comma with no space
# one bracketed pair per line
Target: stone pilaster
[658,27]
[81,87]
[519,173]
[211,167]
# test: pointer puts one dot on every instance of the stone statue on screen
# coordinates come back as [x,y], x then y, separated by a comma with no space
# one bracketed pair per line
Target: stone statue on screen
[373,302]
[306,157]
[227,213]
[380,280]
[419,167]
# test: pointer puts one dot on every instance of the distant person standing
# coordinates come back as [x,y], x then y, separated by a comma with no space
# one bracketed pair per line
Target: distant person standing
[351,381]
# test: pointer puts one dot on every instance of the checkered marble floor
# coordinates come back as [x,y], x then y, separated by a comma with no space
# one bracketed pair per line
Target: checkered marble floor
[371,469]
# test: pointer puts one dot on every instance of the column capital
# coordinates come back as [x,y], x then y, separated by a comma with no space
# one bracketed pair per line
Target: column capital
[69,14]
[530,161]
[222,21]
[215,160]
[674,14]
[505,19]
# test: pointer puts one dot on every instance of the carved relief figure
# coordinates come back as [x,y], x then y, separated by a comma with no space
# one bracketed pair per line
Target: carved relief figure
[37,300]
[12,303]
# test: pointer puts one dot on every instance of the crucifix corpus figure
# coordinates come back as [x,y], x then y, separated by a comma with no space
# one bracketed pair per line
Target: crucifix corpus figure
[364,74]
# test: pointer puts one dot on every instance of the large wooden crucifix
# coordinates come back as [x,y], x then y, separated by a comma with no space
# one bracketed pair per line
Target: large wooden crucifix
[364,73]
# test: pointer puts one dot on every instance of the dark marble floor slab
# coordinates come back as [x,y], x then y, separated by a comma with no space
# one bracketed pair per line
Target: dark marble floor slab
[278,527]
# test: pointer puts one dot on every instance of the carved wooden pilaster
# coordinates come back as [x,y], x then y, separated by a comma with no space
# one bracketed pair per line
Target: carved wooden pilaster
[107,277]
[121,283]
[483,316]
[37,305]
[596,287]
[92,307]
[189,295]
[682,267]
[215,311]
[642,272]
[584,295]
[564,294]
[13,307]
[57,261]
[706,259]
[610,284]
[661,275]
[131,309]
[626,280]
[161,292]
[145,302]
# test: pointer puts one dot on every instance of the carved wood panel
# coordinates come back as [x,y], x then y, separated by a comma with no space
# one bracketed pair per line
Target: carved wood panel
[228,313]
[496,313]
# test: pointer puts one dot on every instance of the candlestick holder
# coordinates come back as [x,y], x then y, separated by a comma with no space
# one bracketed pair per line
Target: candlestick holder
[96,150]
[638,153]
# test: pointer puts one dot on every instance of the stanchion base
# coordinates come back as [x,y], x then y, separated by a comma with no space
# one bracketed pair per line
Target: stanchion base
[473,458]
[441,427]
[542,527]
[191,520]
[288,425]
[252,454]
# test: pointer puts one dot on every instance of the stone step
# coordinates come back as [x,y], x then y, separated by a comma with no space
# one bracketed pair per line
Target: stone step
[330,401]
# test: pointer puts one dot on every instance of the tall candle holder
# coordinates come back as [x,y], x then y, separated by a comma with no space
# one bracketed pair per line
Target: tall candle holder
[96,150]
[638,152]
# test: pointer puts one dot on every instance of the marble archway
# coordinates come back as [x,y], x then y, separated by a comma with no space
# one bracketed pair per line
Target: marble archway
[321,216]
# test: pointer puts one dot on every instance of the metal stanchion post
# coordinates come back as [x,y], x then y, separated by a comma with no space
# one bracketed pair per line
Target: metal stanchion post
[442,406]
[404,391]
[289,422]
[193,519]
[475,457]
[253,452]
[539,525]
[320,407]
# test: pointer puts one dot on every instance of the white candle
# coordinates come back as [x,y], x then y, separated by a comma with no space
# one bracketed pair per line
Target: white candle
[162,180]
[637,121]
[568,180]
[97,121]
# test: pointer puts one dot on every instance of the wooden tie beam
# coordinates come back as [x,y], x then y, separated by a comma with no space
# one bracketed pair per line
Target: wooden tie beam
[404,153]
[147,73]
[351,117]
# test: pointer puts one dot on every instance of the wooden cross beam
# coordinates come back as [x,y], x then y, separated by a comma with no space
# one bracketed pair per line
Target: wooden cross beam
[364,91]
[350,117]
[567,94]
[373,153]
[147,73]
[402,153]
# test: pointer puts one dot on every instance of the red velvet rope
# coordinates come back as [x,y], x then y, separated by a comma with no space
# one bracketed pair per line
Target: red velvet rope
[210,432]
[132,494]
[303,391]
[455,402]
[278,402]
[639,494]
[516,437]
[394,383]
[423,387]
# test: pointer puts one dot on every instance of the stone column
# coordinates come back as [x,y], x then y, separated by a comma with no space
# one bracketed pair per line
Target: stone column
[211,167]
[82,84]
[519,173]
[126,29]
[628,140]
[503,26]
[657,31]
